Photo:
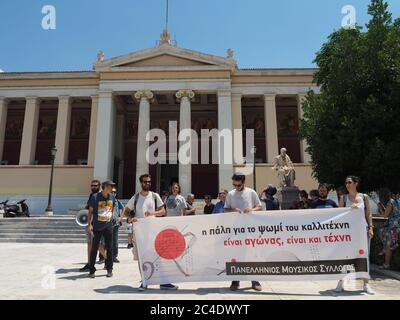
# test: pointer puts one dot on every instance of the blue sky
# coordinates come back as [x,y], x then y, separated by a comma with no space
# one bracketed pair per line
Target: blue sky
[263,33]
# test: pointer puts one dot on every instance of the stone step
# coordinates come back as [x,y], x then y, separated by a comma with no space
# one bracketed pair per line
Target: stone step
[41,240]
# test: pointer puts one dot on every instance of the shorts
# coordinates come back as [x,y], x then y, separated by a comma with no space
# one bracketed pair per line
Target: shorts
[129,228]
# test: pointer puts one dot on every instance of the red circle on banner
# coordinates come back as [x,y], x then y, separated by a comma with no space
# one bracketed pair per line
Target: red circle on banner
[361,251]
[170,244]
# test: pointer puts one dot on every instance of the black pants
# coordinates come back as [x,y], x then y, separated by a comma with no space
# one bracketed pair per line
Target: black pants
[115,241]
[108,239]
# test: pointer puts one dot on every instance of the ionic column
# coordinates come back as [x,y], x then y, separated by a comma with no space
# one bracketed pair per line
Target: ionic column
[92,132]
[3,121]
[237,124]
[225,149]
[29,133]
[142,165]
[104,152]
[271,128]
[63,129]
[185,170]
[305,156]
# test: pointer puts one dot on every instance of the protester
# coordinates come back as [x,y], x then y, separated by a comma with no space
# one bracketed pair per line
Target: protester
[271,203]
[190,210]
[303,203]
[323,201]
[389,233]
[242,200]
[353,199]
[314,195]
[95,188]
[117,222]
[176,204]
[164,196]
[101,211]
[219,206]
[129,229]
[142,205]
[209,207]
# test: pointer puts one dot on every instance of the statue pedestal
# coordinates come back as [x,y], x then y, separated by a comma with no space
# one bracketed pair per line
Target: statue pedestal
[288,195]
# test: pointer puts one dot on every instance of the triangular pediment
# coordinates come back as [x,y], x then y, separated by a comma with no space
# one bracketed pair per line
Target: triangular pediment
[165,60]
[164,56]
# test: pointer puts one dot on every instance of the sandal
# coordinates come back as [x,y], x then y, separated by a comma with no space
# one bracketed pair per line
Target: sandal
[384,267]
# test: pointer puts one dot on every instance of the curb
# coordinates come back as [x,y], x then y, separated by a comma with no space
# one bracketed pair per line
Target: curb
[387,273]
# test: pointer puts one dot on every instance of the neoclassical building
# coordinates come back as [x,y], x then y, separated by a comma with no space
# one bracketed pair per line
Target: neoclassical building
[98,120]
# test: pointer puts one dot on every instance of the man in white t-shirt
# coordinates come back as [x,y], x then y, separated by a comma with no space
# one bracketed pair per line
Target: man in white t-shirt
[242,200]
[142,205]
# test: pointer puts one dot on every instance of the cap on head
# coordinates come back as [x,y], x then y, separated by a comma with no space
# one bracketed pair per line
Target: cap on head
[107,183]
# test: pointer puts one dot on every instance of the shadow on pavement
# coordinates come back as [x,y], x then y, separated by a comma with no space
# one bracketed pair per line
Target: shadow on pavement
[63,271]
[83,275]
[123,289]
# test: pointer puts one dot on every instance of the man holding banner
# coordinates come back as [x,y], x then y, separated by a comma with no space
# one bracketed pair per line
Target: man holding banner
[242,200]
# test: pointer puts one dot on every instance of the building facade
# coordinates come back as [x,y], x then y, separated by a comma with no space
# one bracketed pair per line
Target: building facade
[98,120]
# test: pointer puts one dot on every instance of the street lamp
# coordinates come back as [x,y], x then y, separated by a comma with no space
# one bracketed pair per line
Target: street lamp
[49,209]
[253,152]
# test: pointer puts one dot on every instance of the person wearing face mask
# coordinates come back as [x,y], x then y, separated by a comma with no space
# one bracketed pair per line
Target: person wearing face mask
[323,202]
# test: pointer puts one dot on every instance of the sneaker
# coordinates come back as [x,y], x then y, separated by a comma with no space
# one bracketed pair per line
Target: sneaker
[339,287]
[85,268]
[142,287]
[92,275]
[168,286]
[101,261]
[384,267]
[368,289]
[109,273]
[130,246]
[255,285]
[116,260]
[234,285]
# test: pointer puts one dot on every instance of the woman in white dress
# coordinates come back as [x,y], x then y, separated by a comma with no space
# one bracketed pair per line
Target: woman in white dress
[354,199]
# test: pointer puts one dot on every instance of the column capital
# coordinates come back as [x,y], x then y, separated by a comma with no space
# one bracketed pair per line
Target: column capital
[31,98]
[269,96]
[224,93]
[64,98]
[94,97]
[301,97]
[184,94]
[105,94]
[237,96]
[144,94]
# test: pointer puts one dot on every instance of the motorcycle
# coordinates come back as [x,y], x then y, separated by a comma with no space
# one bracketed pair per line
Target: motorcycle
[19,209]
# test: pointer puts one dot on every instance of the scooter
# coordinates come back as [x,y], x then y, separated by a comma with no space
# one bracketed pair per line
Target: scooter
[20,209]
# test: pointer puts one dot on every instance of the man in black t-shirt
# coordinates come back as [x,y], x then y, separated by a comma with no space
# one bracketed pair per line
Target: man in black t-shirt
[323,201]
[95,188]
[209,207]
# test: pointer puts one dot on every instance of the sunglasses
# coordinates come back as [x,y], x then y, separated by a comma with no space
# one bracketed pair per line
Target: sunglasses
[146,182]
[348,182]
[95,186]
[237,185]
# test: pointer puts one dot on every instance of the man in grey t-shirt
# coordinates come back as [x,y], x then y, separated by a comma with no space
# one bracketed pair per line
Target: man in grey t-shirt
[242,200]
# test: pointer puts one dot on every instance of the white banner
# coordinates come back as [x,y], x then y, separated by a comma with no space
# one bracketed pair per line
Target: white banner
[319,244]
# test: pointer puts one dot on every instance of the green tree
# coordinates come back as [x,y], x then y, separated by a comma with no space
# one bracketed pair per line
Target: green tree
[353,125]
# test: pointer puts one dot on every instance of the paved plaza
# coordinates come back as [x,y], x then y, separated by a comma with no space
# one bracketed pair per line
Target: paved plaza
[50,271]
